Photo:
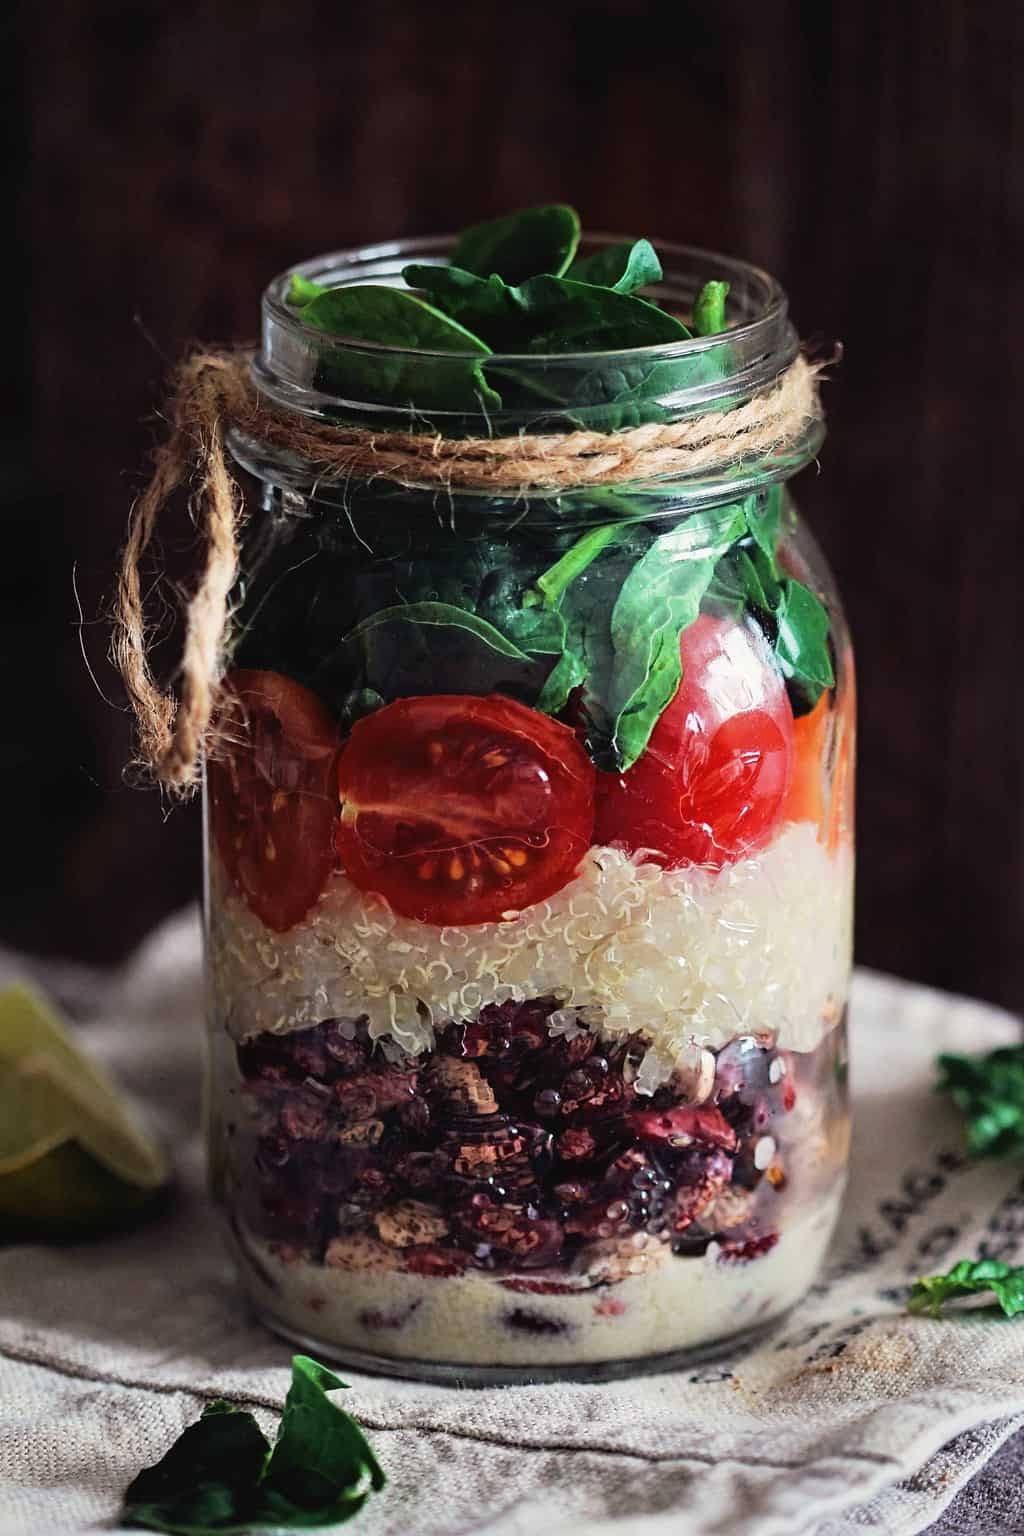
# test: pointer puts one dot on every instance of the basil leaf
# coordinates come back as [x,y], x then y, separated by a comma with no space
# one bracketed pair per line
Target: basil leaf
[520,245]
[660,598]
[222,1477]
[801,646]
[390,317]
[989,1090]
[302,291]
[567,316]
[709,309]
[970,1277]
[441,615]
[622,267]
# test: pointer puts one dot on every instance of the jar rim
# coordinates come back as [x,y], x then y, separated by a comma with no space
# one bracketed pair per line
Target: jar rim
[678,379]
[352,264]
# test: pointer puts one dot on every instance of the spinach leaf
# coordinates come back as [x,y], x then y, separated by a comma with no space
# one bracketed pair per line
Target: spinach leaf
[622,267]
[660,598]
[709,309]
[567,316]
[222,1477]
[322,1468]
[390,317]
[970,1277]
[545,313]
[441,615]
[553,582]
[302,291]
[801,645]
[520,245]
[582,622]
[738,586]
[206,1481]
[792,615]
[990,1091]
[485,305]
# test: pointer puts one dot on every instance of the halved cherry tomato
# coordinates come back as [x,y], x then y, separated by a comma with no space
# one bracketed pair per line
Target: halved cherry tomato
[458,809]
[271,794]
[710,786]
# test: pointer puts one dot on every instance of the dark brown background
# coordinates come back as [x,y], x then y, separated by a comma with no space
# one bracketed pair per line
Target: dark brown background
[168,158]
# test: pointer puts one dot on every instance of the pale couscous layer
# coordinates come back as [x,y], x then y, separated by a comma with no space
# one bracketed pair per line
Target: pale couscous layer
[694,957]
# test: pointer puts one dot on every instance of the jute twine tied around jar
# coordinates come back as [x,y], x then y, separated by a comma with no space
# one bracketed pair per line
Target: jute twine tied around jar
[214,391]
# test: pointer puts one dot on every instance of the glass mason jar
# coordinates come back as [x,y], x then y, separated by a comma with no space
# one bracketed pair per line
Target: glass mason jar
[529,872]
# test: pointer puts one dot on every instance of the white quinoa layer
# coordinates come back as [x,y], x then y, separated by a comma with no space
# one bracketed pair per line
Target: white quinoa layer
[472,1319]
[691,956]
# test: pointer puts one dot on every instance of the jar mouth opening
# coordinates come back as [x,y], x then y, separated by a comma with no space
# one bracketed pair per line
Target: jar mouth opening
[759,298]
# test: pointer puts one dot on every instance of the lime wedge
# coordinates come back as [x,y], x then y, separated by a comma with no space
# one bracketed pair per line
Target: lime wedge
[72,1158]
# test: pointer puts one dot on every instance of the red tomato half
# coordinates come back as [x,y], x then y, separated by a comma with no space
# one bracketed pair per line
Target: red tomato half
[458,809]
[271,795]
[710,786]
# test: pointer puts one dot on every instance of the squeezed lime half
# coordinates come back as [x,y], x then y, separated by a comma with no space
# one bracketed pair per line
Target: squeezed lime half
[73,1160]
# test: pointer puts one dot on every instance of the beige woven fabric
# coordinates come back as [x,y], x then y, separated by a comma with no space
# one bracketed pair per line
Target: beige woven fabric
[852,1416]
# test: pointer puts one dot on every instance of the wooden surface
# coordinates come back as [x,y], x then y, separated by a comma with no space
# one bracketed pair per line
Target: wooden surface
[170,157]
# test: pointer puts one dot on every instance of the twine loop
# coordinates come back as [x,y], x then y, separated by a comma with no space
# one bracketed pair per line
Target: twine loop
[213,391]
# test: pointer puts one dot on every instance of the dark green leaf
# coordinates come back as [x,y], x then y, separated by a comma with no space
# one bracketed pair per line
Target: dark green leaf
[971,1277]
[764,520]
[221,1476]
[390,317]
[990,1091]
[622,267]
[660,598]
[322,1467]
[302,291]
[520,245]
[206,1481]
[801,645]
[566,316]
[487,306]
[739,587]
[554,581]
[441,615]
[709,309]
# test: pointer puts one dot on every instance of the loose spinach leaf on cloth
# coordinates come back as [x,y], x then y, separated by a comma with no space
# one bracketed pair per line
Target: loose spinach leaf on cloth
[971,1277]
[660,598]
[990,1091]
[221,1476]
[522,244]
[622,267]
[390,317]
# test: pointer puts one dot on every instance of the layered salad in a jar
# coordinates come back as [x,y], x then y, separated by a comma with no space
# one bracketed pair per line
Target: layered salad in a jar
[529,899]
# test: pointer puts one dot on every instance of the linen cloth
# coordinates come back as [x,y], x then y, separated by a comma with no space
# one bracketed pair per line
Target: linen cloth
[850,1417]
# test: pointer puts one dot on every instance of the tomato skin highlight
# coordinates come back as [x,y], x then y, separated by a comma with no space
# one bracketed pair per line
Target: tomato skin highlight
[271,794]
[457,809]
[711,784]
